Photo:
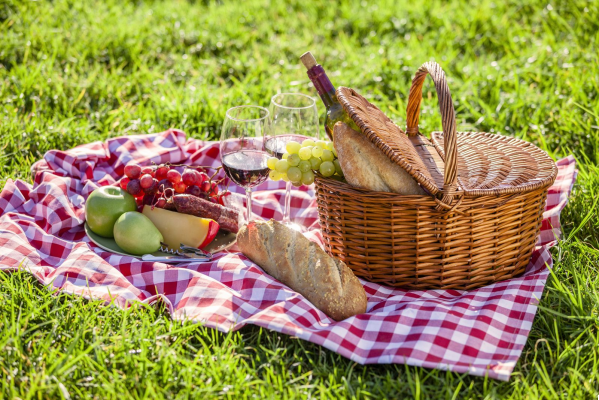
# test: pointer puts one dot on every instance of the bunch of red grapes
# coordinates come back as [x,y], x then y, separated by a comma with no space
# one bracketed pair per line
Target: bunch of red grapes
[154,185]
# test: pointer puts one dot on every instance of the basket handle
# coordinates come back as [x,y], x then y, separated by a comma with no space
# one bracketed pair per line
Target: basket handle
[448,122]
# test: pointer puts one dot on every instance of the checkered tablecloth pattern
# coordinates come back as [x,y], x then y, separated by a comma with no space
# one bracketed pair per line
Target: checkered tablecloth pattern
[479,332]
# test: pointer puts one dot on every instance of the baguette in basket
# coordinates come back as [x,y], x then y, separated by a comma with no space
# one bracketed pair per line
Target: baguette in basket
[291,258]
[365,166]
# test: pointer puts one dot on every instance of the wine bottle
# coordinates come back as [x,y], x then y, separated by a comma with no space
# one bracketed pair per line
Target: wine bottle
[326,91]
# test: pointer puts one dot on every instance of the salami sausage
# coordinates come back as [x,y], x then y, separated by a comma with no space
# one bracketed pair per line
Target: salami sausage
[228,224]
[169,206]
[227,218]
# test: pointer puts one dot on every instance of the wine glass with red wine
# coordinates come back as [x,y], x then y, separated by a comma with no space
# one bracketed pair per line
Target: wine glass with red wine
[294,118]
[242,149]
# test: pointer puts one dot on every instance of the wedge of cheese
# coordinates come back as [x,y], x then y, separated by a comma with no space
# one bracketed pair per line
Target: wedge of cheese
[177,228]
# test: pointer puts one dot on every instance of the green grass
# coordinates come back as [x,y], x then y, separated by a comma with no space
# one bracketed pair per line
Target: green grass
[76,71]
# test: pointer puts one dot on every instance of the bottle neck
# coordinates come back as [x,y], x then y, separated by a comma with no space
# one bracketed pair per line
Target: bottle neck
[323,85]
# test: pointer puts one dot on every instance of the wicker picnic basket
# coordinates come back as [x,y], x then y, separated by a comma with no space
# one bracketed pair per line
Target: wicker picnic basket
[477,225]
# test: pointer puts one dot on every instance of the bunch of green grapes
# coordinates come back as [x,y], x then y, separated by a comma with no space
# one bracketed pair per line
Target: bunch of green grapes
[301,160]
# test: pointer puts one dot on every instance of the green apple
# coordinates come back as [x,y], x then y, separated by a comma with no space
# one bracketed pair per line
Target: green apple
[136,234]
[104,206]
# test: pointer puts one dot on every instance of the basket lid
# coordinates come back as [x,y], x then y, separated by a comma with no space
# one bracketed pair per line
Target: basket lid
[493,164]
[452,164]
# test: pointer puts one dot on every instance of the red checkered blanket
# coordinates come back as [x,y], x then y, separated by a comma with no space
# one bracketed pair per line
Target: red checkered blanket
[479,332]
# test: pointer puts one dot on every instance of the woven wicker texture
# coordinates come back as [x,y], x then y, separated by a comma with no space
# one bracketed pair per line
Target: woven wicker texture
[478,225]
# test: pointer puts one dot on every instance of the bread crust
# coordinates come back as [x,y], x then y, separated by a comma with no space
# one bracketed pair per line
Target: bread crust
[302,265]
[365,166]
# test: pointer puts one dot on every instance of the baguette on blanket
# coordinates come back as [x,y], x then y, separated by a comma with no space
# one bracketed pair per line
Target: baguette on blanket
[291,258]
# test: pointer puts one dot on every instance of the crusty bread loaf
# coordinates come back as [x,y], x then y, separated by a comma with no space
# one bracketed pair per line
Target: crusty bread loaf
[366,166]
[291,258]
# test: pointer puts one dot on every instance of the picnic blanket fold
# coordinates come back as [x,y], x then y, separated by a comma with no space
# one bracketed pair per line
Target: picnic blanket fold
[480,332]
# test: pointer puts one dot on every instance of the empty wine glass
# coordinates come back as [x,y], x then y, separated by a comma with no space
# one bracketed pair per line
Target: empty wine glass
[294,118]
[242,152]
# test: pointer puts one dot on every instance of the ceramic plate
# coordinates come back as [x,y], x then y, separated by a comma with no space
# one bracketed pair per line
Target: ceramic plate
[222,241]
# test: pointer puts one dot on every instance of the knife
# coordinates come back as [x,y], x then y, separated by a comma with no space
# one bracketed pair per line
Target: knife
[174,259]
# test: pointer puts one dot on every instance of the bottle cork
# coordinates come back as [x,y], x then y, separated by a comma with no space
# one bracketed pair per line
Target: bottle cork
[308,60]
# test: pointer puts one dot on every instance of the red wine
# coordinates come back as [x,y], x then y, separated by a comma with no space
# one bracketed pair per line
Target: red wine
[326,91]
[247,168]
[277,145]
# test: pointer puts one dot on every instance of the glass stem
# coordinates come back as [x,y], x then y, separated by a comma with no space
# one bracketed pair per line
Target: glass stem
[248,196]
[287,208]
